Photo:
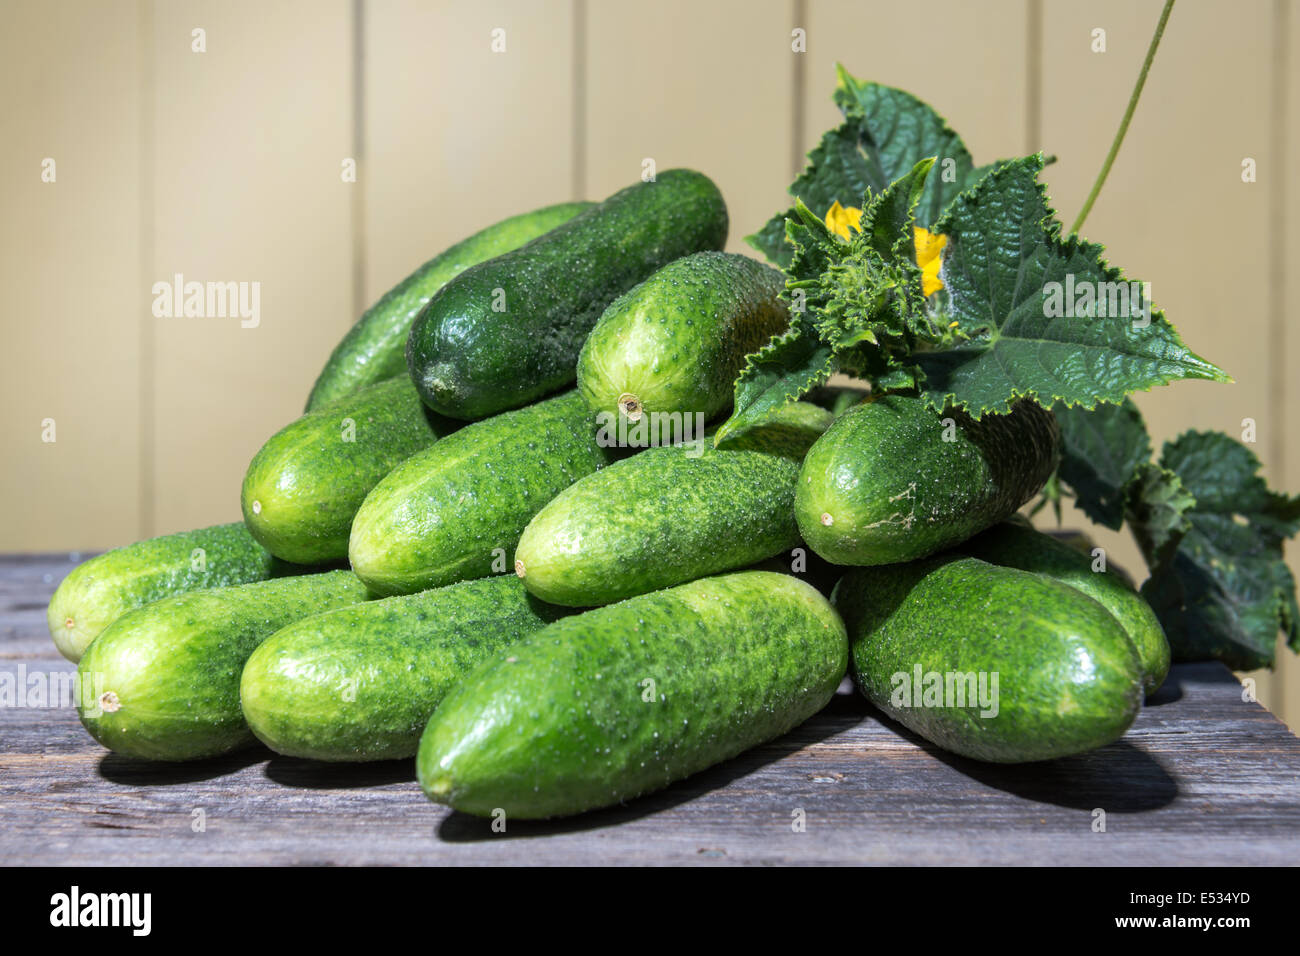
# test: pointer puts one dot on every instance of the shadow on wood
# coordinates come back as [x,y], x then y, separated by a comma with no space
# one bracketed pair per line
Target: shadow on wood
[1168,692]
[1118,778]
[325,775]
[134,772]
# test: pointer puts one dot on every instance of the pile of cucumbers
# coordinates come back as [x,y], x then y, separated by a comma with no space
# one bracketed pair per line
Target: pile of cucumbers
[504,539]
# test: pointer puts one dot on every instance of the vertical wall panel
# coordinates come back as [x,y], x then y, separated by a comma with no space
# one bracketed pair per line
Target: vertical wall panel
[1286,391]
[683,83]
[249,141]
[458,136]
[69,269]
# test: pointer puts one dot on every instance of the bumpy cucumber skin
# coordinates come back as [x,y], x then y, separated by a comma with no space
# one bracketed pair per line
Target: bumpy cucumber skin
[559,723]
[508,331]
[305,484]
[162,682]
[1013,545]
[883,486]
[359,683]
[375,347]
[99,591]
[1069,679]
[438,517]
[669,515]
[677,341]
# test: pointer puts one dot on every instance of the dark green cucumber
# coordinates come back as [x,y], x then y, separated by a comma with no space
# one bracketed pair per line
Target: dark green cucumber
[677,341]
[375,347]
[508,331]
[360,682]
[305,484]
[162,681]
[988,662]
[99,591]
[455,511]
[1014,545]
[670,515]
[892,480]
[600,707]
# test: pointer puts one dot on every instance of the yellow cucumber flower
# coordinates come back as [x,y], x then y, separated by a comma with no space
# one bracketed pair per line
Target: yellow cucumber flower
[929,247]
[839,219]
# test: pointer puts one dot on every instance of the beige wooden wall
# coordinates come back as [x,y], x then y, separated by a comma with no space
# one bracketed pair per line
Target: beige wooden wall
[225,165]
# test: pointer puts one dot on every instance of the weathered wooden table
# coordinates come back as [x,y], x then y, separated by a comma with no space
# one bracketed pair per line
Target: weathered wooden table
[1203,777]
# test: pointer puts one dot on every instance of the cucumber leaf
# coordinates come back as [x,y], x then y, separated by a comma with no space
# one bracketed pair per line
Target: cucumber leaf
[1007,274]
[1156,507]
[1101,451]
[784,370]
[901,130]
[885,133]
[1224,476]
[1226,592]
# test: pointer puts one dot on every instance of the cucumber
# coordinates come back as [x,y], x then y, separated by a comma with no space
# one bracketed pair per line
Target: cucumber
[455,511]
[375,347]
[600,707]
[1015,545]
[1051,671]
[360,682]
[508,331]
[677,341]
[892,480]
[162,681]
[670,514]
[305,484]
[99,591]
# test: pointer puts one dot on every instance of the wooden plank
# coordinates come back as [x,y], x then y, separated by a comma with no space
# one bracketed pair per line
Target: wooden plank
[707,86]
[250,137]
[69,268]
[457,136]
[1202,777]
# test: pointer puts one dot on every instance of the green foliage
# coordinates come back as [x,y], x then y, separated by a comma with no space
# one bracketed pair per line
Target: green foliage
[1100,452]
[885,133]
[1226,591]
[1007,279]
[1025,310]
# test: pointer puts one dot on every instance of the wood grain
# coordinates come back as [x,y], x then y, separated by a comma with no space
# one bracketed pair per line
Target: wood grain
[1202,778]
